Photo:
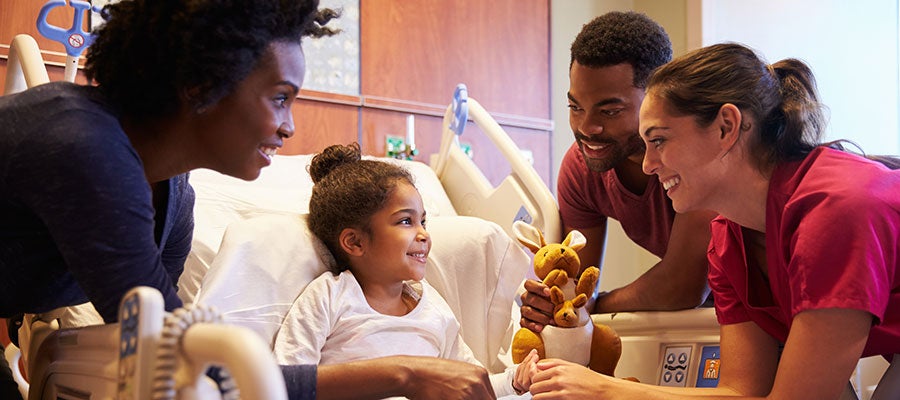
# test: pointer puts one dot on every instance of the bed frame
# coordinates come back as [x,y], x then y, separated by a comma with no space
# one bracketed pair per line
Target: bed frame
[522,195]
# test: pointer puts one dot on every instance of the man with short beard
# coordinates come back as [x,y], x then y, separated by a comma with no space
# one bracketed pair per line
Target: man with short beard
[601,176]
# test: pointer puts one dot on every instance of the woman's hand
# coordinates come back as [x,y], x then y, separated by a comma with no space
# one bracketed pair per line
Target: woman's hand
[436,378]
[536,310]
[409,376]
[558,379]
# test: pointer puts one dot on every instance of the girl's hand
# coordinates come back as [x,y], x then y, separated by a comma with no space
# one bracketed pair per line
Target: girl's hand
[525,373]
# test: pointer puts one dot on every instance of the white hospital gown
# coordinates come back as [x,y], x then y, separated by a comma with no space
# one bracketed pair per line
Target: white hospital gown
[331,323]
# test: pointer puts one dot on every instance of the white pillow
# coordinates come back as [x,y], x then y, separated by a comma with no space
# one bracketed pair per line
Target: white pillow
[478,268]
[262,266]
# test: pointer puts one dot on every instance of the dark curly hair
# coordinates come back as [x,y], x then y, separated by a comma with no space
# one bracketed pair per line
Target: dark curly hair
[149,54]
[347,191]
[623,37]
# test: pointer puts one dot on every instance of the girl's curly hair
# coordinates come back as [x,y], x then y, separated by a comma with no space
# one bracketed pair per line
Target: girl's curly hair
[347,191]
[150,53]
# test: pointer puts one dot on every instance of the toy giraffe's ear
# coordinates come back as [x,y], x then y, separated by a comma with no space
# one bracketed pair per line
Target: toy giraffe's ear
[529,236]
[575,240]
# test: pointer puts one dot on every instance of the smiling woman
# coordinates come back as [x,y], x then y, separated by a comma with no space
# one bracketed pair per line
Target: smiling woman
[94,195]
[239,134]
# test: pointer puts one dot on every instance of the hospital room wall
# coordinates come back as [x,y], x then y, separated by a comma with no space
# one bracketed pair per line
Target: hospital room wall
[411,56]
[852,48]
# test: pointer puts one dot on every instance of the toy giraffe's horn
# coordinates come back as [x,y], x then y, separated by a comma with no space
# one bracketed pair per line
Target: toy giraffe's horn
[529,236]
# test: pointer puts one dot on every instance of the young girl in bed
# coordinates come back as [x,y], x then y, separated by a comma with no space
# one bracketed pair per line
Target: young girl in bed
[374,302]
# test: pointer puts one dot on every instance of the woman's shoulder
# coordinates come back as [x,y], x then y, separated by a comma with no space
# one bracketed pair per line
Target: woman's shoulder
[834,174]
[57,97]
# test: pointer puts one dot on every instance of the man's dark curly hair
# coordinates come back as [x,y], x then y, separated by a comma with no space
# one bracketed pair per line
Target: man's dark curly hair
[153,55]
[347,191]
[623,37]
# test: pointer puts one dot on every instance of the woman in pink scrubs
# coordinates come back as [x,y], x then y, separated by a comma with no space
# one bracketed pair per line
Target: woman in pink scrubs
[805,255]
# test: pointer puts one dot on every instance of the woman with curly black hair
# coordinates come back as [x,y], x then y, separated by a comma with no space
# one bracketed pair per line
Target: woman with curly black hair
[94,196]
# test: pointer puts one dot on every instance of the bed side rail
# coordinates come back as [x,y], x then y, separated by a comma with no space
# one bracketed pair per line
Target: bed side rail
[520,196]
[26,66]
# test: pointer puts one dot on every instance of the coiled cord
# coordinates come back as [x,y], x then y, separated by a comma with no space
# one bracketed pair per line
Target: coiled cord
[176,324]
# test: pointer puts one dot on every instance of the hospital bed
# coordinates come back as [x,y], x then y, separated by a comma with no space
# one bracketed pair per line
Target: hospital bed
[256,232]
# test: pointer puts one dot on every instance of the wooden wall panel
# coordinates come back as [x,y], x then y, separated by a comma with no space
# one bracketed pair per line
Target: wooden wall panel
[318,124]
[378,124]
[420,50]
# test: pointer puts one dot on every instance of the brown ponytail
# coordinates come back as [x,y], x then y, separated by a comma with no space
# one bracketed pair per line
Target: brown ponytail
[781,97]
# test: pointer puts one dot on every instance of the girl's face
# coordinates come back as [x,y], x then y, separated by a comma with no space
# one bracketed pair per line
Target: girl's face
[684,155]
[241,132]
[398,244]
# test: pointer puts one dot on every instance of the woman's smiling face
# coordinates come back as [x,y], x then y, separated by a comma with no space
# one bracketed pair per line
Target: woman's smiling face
[243,130]
[682,153]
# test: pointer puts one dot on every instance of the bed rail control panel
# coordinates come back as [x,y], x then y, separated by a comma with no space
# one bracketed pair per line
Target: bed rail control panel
[689,365]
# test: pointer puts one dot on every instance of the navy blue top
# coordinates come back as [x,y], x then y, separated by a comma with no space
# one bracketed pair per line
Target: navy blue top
[77,216]
[76,211]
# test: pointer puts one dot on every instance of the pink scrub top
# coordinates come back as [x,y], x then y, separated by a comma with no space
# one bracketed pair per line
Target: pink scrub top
[832,241]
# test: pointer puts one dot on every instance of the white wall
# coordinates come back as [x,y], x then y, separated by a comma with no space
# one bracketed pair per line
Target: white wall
[852,48]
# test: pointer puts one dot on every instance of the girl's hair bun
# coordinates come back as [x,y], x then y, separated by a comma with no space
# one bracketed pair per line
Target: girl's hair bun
[331,158]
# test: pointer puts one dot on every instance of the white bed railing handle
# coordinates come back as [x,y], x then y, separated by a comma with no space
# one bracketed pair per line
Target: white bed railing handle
[257,376]
[541,204]
[26,66]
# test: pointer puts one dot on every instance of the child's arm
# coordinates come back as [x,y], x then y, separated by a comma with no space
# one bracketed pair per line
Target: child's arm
[515,380]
